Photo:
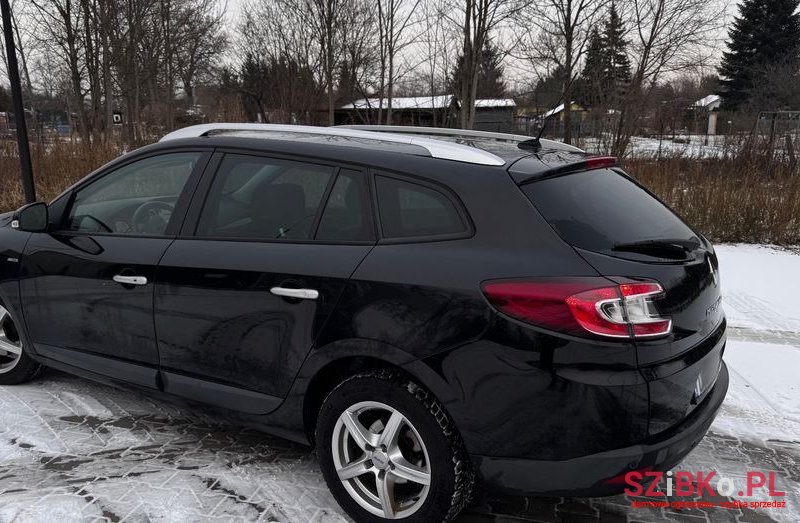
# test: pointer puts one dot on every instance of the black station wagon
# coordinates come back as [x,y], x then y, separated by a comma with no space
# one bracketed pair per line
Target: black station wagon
[435,310]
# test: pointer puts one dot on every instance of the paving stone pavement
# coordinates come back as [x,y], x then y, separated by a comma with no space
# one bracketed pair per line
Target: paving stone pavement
[73,450]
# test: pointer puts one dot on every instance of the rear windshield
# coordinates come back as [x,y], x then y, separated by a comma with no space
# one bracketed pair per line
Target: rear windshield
[599,209]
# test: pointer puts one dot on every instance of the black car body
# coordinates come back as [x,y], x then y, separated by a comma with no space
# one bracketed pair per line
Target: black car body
[479,280]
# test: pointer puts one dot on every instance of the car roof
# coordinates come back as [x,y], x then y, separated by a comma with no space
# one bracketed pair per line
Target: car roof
[465,146]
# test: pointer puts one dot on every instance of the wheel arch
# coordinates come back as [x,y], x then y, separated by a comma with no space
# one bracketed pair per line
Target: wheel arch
[332,374]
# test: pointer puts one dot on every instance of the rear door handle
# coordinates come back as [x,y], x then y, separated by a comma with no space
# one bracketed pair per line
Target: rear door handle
[303,294]
[130,280]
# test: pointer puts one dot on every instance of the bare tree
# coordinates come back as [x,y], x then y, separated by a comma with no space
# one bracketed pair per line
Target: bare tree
[667,36]
[274,38]
[394,19]
[563,32]
[199,41]
[437,50]
[476,19]
[60,23]
[324,33]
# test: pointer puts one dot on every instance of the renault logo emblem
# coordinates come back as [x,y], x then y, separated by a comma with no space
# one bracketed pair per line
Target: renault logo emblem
[713,272]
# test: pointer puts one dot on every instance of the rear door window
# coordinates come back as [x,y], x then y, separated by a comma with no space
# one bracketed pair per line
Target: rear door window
[599,209]
[255,197]
[348,214]
[412,210]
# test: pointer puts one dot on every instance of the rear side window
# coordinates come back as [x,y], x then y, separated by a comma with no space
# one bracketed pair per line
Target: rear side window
[412,210]
[599,209]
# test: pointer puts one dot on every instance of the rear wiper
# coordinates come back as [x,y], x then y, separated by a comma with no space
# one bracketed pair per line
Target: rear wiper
[677,247]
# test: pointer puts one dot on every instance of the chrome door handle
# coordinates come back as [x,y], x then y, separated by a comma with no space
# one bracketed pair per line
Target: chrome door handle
[130,280]
[303,294]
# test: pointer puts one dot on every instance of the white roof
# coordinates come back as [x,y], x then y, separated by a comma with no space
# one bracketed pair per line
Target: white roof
[403,102]
[495,102]
[440,101]
[711,101]
[557,109]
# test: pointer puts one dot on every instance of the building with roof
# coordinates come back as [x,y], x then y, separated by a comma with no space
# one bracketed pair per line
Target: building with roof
[429,111]
[706,109]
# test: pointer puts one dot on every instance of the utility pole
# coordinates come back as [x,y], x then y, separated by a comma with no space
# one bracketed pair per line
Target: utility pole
[26,168]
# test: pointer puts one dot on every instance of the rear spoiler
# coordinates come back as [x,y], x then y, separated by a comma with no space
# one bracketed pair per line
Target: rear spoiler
[556,163]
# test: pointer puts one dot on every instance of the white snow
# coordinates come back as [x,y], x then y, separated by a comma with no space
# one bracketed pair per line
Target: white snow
[711,102]
[426,102]
[495,102]
[761,287]
[403,102]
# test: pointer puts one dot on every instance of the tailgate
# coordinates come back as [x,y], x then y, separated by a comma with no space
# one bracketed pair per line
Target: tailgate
[626,233]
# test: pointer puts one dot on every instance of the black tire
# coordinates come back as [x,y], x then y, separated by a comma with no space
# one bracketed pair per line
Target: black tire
[25,369]
[451,473]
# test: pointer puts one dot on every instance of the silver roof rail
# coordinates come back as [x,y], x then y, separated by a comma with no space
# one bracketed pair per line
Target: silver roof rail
[436,148]
[456,133]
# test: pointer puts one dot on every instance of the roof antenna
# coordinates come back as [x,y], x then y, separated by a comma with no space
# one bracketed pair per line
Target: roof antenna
[535,144]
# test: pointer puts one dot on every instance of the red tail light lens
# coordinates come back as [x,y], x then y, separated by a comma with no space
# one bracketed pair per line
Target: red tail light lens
[583,305]
[601,162]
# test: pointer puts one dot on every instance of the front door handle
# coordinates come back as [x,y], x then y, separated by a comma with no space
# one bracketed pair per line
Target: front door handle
[303,294]
[130,280]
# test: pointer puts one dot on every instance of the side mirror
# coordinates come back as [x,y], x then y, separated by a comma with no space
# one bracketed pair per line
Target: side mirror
[31,218]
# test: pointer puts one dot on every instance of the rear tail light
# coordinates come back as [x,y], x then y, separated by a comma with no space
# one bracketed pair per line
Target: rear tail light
[583,305]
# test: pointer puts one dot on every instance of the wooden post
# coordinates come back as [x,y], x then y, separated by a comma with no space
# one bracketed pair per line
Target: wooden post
[26,169]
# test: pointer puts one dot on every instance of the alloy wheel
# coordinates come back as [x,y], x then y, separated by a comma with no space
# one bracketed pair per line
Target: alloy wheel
[381,460]
[10,343]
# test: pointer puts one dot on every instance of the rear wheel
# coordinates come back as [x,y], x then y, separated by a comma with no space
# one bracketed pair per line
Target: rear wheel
[389,451]
[15,365]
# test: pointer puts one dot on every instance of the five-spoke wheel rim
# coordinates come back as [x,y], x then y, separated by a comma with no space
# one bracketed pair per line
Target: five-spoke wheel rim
[10,344]
[381,460]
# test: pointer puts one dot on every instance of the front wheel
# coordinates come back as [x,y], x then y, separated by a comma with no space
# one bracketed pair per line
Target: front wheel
[388,450]
[15,366]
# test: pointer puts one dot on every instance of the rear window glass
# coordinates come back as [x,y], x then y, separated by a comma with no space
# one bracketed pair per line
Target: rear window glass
[598,209]
[411,210]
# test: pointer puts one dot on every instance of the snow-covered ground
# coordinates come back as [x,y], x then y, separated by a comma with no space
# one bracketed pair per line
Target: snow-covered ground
[694,146]
[74,450]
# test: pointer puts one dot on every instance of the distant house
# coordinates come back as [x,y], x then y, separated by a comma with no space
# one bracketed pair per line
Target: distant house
[430,111]
[530,121]
[706,109]
[495,115]
[559,111]
[708,103]
[425,111]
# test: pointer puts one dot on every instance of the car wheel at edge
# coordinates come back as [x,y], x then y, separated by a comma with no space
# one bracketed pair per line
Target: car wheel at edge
[15,366]
[388,450]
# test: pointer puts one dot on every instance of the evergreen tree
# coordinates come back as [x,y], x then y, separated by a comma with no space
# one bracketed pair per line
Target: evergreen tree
[591,84]
[490,74]
[607,68]
[616,48]
[765,34]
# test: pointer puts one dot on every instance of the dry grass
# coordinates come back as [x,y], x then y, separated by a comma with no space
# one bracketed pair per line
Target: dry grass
[56,166]
[743,197]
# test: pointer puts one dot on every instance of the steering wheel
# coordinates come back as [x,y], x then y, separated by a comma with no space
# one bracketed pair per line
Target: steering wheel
[149,217]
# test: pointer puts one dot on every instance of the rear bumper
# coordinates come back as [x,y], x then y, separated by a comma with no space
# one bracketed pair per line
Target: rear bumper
[593,475]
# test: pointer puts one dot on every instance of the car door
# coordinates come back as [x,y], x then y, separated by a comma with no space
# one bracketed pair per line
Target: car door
[87,285]
[242,294]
